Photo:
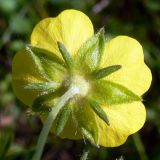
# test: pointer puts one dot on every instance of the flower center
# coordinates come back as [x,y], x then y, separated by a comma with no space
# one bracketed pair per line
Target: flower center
[80,85]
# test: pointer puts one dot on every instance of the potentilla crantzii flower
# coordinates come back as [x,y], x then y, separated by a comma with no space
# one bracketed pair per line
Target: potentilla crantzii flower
[106,79]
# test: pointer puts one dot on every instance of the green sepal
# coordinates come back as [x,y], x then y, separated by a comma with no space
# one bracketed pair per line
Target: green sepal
[42,86]
[86,121]
[49,65]
[89,136]
[107,93]
[84,156]
[101,73]
[41,103]
[90,53]
[62,119]
[99,111]
[66,55]
[37,62]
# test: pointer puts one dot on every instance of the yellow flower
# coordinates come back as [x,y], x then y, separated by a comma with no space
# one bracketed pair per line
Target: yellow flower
[110,76]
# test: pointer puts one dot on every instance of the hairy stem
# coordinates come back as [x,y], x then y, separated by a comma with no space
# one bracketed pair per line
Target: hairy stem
[51,117]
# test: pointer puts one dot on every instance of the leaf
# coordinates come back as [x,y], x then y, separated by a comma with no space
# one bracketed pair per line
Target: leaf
[99,111]
[107,92]
[101,73]
[86,122]
[65,54]
[6,137]
[63,118]
[90,53]
[25,27]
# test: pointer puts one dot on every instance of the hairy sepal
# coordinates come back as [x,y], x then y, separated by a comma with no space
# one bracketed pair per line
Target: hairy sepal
[44,102]
[48,64]
[42,86]
[99,111]
[86,122]
[90,53]
[108,93]
[63,118]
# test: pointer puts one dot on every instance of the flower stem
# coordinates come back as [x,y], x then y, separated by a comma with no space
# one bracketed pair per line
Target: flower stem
[140,147]
[48,123]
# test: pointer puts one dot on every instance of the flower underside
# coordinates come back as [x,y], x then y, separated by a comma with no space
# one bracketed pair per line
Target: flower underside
[106,78]
[87,80]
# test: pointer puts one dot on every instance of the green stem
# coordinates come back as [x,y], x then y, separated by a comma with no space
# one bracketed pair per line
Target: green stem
[51,117]
[140,147]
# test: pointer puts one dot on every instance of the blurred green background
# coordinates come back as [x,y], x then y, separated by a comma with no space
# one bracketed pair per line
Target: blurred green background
[19,129]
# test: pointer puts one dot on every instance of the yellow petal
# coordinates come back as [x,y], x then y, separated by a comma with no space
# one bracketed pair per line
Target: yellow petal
[134,74]
[125,120]
[71,27]
[24,71]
